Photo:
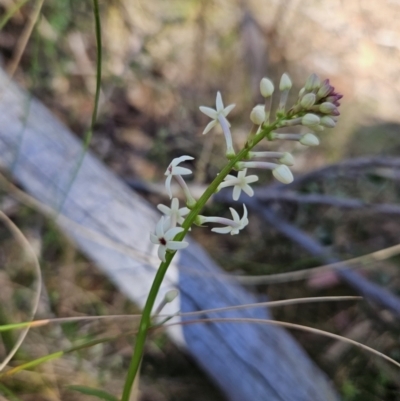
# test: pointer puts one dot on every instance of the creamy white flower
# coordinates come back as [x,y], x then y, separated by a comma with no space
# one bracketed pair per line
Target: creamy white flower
[164,238]
[215,113]
[174,170]
[232,226]
[239,183]
[174,213]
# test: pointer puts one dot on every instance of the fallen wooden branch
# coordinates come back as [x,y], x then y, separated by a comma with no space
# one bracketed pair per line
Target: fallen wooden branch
[363,286]
[111,224]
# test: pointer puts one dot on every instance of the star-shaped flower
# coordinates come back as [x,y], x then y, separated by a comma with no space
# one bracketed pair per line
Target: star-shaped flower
[174,213]
[232,226]
[214,113]
[173,169]
[164,238]
[239,183]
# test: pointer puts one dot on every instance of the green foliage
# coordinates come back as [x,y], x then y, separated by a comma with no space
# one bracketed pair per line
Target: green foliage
[94,392]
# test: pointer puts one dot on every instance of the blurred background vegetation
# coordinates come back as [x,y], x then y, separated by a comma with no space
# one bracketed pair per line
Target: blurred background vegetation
[161,60]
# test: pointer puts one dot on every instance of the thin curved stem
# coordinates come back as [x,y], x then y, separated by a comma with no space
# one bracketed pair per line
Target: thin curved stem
[145,322]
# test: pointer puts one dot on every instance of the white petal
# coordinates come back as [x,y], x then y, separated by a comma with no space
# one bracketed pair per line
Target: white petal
[181,159]
[154,239]
[181,171]
[209,112]
[170,234]
[243,223]
[164,209]
[159,228]
[230,177]
[228,109]
[236,192]
[242,173]
[184,211]
[245,213]
[251,178]
[161,252]
[226,184]
[175,204]
[166,225]
[175,245]
[222,230]
[210,126]
[218,102]
[235,215]
[248,190]
[168,186]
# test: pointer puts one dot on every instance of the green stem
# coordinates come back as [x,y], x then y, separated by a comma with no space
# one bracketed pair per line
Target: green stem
[145,322]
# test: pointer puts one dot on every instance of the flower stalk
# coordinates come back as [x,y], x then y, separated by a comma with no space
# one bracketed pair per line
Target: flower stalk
[316,109]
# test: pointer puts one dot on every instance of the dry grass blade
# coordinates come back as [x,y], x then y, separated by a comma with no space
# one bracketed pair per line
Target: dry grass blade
[294,301]
[19,236]
[305,273]
[289,326]
[270,304]
[23,40]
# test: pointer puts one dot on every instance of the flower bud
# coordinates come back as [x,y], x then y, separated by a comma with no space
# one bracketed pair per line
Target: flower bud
[171,295]
[318,128]
[266,87]
[325,90]
[283,174]
[257,115]
[313,82]
[285,83]
[328,122]
[309,140]
[301,93]
[334,98]
[308,100]
[327,108]
[310,120]
[287,159]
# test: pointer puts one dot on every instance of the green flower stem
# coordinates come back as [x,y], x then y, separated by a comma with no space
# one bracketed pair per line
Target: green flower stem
[145,322]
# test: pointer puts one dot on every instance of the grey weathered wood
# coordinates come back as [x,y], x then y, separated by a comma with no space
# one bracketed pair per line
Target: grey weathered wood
[249,362]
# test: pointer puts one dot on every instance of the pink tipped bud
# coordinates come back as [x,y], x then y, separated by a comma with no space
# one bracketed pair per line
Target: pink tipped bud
[327,108]
[325,90]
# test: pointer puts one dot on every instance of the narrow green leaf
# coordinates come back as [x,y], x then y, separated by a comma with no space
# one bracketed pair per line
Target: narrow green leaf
[7,392]
[100,394]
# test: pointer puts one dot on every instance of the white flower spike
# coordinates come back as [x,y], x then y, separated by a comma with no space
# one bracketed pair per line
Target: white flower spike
[164,238]
[239,183]
[174,170]
[175,214]
[232,226]
[215,113]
